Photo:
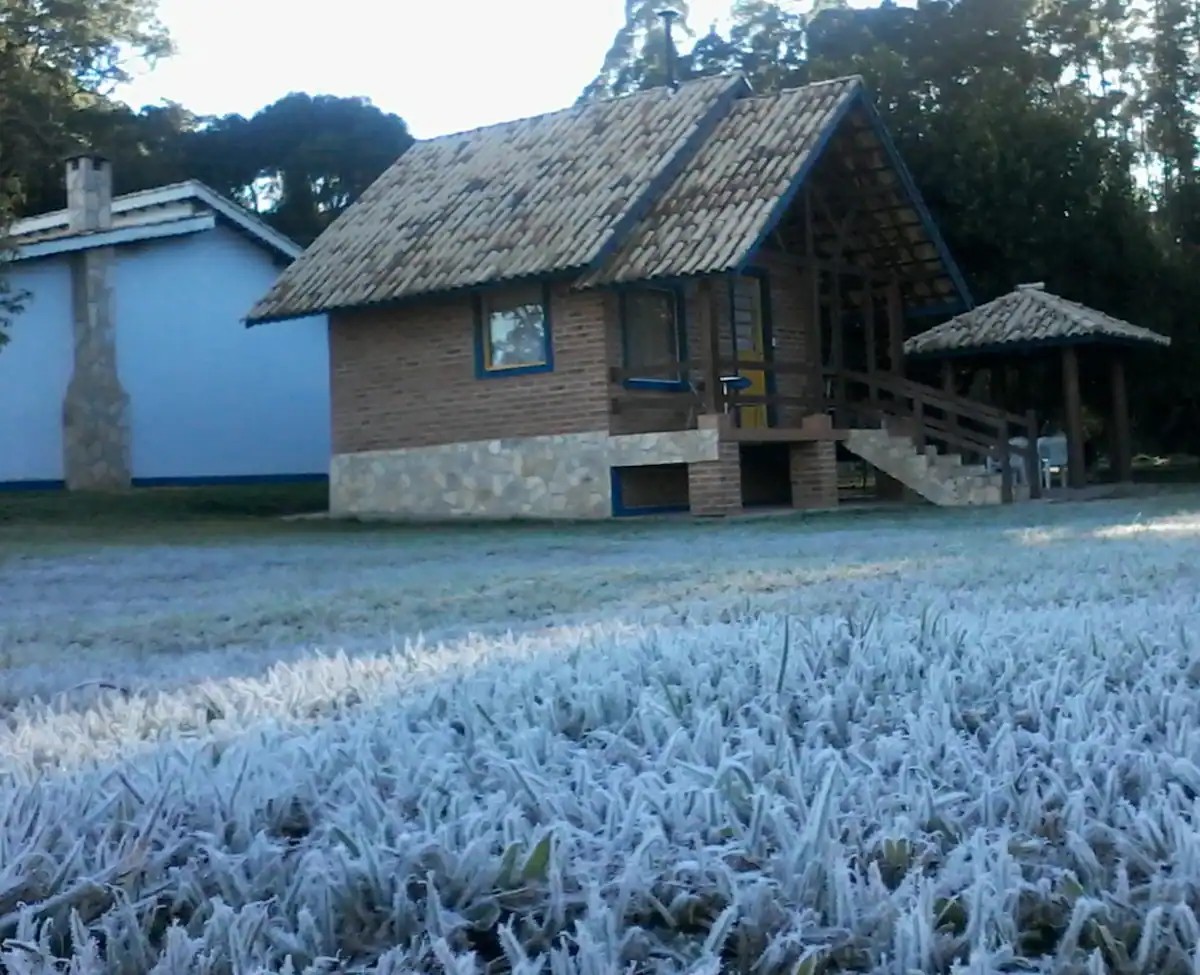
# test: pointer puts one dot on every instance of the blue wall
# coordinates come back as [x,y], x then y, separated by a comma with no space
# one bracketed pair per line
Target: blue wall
[209,398]
[35,367]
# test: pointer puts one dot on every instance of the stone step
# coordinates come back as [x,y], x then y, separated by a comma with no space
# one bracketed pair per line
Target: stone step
[943,479]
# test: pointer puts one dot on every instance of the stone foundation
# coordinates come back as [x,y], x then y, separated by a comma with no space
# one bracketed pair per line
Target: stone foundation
[814,474]
[566,476]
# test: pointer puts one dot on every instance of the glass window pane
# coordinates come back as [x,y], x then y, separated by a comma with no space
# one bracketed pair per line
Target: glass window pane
[514,334]
[651,330]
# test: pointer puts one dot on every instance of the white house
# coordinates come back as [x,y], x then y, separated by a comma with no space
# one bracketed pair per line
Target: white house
[131,362]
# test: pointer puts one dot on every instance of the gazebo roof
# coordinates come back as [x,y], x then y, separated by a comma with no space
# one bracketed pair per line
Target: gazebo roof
[1029,317]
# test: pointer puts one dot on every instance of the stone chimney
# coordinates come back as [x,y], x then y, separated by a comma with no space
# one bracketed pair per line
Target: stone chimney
[89,192]
[96,449]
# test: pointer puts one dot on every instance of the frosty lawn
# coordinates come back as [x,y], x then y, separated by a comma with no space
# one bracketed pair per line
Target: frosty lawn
[937,742]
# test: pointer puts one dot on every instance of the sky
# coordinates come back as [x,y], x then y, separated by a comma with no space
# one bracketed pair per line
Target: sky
[443,66]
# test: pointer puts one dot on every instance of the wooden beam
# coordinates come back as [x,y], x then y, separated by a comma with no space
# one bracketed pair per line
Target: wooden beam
[1122,442]
[836,344]
[810,250]
[948,383]
[870,324]
[895,313]
[1073,406]
[710,347]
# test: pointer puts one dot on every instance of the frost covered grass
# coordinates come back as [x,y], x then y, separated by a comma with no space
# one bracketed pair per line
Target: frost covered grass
[938,742]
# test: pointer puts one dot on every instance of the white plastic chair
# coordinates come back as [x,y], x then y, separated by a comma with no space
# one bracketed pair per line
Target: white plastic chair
[1052,458]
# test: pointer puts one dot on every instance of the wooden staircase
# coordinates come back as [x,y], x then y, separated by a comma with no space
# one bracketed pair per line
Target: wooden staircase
[943,479]
[934,442]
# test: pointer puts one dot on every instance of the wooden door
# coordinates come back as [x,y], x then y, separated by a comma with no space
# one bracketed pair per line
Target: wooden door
[752,340]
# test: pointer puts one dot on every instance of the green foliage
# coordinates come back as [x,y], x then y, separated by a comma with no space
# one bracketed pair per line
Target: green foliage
[299,162]
[1053,142]
[56,58]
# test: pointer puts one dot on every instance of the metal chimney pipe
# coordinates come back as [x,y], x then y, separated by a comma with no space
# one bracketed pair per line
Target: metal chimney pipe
[669,17]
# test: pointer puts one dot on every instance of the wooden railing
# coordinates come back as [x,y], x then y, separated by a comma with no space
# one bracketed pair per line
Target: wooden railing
[678,405]
[934,416]
[930,415]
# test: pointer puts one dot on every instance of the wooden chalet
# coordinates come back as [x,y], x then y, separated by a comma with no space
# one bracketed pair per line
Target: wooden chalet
[680,299]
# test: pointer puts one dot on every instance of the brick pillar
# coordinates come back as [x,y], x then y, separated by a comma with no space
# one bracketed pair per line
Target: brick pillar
[814,474]
[715,486]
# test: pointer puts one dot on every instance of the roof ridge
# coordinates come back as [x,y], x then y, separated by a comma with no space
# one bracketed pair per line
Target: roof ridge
[758,96]
[728,78]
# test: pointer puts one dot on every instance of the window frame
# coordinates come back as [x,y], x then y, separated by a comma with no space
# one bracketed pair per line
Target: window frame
[483,369]
[680,310]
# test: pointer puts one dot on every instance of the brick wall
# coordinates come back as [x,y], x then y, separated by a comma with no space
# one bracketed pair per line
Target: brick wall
[797,335]
[715,486]
[814,475]
[405,377]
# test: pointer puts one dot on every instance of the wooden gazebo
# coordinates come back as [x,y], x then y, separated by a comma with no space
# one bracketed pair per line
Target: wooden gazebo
[1032,322]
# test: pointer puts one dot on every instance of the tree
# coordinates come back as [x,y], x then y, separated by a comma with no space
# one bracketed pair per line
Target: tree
[58,57]
[308,157]
[1022,123]
[637,57]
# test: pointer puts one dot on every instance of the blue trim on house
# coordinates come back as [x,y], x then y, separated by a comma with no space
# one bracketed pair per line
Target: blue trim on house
[115,236]
[784,203]
[620,510]
[918,201]
[481,369]
[43,485]
[681,338]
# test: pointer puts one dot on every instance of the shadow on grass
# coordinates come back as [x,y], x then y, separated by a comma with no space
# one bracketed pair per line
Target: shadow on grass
[161,505]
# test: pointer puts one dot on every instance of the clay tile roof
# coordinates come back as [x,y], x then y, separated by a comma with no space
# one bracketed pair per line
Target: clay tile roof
[717,209]
[529,198]
[1029,316]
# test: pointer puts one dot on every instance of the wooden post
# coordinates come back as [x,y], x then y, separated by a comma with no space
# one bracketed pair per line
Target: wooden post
[1122,445]
[948,385]
[869,323]
[1033,464]
[710,345]
[950,388]
[895,312]
[836,361]
[1006,471]
[1073,407]
[919,423]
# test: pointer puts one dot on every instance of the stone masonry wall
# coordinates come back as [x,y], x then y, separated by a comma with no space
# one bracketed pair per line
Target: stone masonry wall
[564,476]
[96,444]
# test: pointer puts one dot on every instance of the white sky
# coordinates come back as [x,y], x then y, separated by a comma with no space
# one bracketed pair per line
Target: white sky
[443,66]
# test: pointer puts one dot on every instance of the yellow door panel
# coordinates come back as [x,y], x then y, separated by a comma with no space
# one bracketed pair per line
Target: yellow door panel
[751,346]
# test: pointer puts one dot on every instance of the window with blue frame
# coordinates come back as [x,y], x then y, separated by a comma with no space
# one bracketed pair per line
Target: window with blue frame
[514,332]
[653,337]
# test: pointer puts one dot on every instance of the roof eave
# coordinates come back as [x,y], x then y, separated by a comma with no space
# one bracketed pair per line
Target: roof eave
[417,298]
[910,186]
[800,177]
[112,237]
[1028,346]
